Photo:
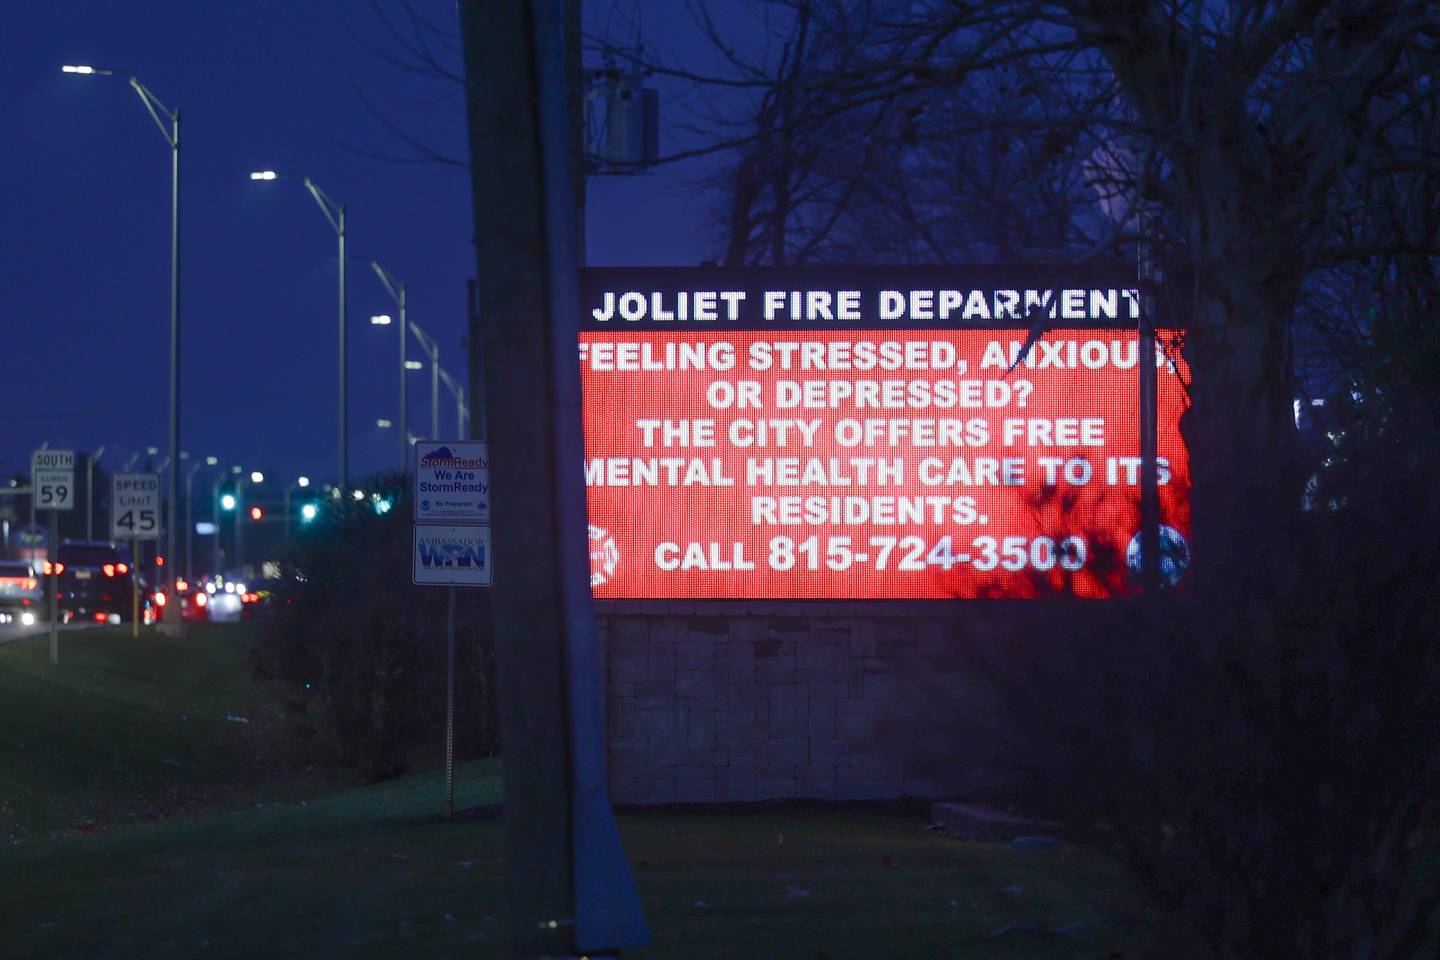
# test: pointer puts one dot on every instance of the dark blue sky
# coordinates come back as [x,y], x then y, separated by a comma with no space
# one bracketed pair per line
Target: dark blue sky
[260,83]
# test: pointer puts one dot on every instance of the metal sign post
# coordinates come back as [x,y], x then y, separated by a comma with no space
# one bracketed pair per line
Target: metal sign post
[52,485]
[54,589]
[452,484]
[450,703]
[135,515]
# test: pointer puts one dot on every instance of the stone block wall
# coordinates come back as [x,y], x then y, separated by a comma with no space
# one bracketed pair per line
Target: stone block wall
[730,702]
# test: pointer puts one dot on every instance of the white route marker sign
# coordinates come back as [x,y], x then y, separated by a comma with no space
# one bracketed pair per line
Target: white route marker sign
[52,478]
[452,482]
[135,506]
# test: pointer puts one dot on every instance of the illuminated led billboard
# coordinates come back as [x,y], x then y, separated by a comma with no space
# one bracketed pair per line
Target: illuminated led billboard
[878,433]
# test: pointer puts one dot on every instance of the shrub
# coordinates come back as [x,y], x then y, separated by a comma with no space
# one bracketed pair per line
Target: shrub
[362,650]
[1267,765]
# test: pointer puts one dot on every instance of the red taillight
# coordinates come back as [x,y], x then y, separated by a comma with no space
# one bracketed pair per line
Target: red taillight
[54,569]
[182,585]
[101,618]
[108,569]
[29,584]
[159,599]
[122,568]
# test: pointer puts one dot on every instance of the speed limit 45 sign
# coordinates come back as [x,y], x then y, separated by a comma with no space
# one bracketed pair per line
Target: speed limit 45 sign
[135,506]
[52,476]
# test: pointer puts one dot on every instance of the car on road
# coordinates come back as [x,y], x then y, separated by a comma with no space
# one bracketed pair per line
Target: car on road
[227,601]
[96,582]
[22,595]
[194,601]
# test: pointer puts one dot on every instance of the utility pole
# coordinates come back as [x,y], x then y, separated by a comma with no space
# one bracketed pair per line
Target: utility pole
[569,885]
[1150,558]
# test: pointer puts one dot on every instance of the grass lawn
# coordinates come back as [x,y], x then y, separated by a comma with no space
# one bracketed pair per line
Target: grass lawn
[123,729]
[369,871]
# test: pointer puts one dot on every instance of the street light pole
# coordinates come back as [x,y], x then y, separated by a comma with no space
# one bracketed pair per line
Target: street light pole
[396,289]
[173,476]
[335,216]
[457,390]
[335,213]
[90,492]
[255,476]
[189,515]
[168,122]
[215,517]
[435,393]
[301,482]
[433,349]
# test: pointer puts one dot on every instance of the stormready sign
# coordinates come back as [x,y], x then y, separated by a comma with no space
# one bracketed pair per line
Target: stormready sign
[452,482]
[451,542]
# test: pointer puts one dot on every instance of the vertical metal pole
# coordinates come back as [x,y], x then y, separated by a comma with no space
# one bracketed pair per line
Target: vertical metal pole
[135,588]
[460,413]
[1149,466]
[570,891]
[89,498]
[344,433]
[54,555]
[450,705]
[404,422]
[434,390]
[477,361]
[174,478]
[215,522]
[287,514]
[239,527]
[190,523]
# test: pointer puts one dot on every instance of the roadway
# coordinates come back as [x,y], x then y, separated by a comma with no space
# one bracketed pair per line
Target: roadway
[14,631]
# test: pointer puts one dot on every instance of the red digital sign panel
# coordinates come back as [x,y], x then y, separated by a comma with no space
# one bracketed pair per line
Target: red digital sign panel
[875,434]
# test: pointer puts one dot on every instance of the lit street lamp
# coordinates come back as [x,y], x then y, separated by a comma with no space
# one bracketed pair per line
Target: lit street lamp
[335,215]
[170,130]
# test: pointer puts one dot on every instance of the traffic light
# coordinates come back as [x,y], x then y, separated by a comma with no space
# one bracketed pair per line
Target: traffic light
[309,512]
[227,502]
[256,513]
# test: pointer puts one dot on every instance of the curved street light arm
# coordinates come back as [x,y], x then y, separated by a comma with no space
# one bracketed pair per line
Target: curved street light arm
[392,286]
[431,346]
[333,211]
[156,106]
